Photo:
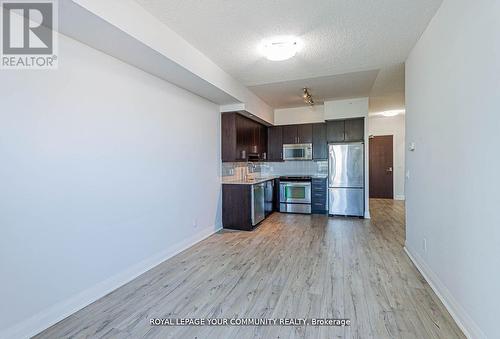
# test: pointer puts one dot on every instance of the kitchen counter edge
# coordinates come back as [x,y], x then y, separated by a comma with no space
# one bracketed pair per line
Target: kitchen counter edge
[245,182]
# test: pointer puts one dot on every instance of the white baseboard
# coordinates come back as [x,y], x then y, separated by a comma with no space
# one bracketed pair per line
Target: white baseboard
[399,197]
[463,320]
[59,311]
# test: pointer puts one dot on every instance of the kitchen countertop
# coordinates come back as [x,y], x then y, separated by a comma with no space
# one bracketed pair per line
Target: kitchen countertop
[318,176]
[257,180]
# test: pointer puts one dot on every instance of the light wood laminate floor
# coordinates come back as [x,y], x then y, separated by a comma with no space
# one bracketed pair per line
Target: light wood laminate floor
[292,266]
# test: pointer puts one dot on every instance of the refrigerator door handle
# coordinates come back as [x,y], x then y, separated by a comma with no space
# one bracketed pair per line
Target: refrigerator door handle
[332,164]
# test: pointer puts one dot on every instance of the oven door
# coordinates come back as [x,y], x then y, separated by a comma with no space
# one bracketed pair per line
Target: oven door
[295,192]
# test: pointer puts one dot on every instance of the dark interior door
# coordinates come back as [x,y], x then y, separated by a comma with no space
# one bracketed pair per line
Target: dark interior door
[381,167]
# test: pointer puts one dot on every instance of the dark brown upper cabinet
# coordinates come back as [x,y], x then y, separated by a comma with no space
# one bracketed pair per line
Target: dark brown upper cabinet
[345,130]
[304,134]
[275,143]
[263,142]
[290,134]
[297,134]
[242,138]
[228,135]
[335,130]
[319,142]
[355,129]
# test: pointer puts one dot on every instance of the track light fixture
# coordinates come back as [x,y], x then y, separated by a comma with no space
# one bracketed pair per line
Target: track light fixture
[308,97]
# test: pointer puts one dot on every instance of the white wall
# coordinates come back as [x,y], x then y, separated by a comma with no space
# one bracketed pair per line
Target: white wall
[131,18]
[101,167]
[395,126]
[452,114]
[299,115]
[331,110]
[345,109]
[388,91]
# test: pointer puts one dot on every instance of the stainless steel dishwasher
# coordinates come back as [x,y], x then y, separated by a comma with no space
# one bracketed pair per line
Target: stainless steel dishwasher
[269,197]
[258,203]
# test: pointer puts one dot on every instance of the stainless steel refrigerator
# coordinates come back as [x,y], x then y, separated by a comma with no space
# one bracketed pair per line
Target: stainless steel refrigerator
[346,180]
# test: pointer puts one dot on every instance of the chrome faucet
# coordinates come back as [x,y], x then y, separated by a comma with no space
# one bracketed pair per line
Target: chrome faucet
[251,167]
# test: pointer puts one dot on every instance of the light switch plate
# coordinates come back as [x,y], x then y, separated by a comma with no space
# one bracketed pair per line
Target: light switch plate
[411,147]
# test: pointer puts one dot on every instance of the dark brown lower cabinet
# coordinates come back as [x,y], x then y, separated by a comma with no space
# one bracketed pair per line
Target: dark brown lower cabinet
[237,205]
[319,195]
[276,195]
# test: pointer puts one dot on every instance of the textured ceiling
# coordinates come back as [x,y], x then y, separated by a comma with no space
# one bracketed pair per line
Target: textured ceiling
[289,93]
[340,36]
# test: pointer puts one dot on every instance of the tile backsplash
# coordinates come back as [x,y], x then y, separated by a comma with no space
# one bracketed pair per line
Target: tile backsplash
[295,168]
[238,170]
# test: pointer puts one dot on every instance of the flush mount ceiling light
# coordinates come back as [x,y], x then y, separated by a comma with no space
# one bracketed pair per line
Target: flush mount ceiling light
[280,48]
[308,97]
[392,113]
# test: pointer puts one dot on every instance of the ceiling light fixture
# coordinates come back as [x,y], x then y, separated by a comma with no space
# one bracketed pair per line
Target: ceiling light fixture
[308,97]
[392,113]
[280,48]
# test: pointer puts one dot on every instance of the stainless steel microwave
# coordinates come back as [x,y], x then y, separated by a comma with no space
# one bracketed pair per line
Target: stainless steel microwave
[297,152]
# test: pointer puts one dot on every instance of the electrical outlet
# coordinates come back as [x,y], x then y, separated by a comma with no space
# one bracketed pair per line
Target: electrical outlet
[195,223]
[424,245]
[408,174]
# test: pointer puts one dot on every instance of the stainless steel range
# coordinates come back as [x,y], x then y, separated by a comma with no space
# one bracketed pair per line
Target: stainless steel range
[295,194]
